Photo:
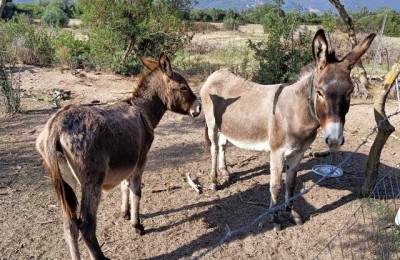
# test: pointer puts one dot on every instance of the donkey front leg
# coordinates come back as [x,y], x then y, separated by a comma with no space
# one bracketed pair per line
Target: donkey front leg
[125,199]
[222,143]
[213,135]
[291,177]
[134,197]
[276,169]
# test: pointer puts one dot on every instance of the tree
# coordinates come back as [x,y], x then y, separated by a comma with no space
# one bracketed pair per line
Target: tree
[385,129]
[281,56]
[142,27]
[352,37]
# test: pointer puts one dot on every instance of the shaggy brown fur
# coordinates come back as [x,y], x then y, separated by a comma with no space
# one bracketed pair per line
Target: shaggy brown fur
[98,148]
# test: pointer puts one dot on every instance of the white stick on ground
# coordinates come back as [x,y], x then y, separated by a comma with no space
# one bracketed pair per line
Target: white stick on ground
[196,187]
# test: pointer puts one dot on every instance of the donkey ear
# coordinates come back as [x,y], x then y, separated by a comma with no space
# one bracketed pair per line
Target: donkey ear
[149,63]
[353,56]
[165,64]
[320,49]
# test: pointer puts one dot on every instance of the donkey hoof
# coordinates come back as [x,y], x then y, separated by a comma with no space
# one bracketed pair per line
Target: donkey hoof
[225,174]
[298,221]
[213,186]
[277,227]
[296,217]
[126,215]
[139,229]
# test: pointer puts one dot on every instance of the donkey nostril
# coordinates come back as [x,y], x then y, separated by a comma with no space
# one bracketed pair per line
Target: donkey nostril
[342,141]
[327,140]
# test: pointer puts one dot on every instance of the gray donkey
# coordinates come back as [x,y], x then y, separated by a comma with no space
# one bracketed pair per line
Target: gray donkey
[280,119]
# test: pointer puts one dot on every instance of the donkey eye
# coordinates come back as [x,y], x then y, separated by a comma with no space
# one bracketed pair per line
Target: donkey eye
[319,93]
[184,88]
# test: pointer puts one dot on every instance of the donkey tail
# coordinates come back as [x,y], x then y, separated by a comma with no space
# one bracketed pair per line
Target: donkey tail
[207,141]
[48,145]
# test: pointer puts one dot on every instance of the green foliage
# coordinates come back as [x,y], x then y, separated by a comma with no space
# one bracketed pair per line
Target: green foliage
[26,43]
[71,52]
[282,55]
[37,8]
[121,29]
[258,14]
[231,20]
[53,15]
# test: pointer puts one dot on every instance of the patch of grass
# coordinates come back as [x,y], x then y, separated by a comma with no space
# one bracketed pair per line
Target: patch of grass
[237,58]
[387,236]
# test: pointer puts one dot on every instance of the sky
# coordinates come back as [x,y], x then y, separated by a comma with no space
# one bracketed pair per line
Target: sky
[310,5]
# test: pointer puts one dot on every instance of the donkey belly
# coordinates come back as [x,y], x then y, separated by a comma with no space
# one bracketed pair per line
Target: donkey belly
[115,176]
[250,144]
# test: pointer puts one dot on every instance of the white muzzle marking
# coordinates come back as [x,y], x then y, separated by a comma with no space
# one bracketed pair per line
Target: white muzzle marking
[195,109]
[333,135]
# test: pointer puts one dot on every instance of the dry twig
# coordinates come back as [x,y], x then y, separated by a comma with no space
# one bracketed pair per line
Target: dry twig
[252,203]
[196,187]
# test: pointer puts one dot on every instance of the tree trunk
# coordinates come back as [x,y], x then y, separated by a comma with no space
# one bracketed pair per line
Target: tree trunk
[129,48]
[385,129]
[2,5]
[352,37]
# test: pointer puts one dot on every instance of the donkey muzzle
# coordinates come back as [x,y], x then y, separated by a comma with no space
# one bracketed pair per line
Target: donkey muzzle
[333,135]
[195,108]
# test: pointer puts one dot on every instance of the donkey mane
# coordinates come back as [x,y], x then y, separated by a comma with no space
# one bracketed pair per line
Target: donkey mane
[309,69]
[139,80]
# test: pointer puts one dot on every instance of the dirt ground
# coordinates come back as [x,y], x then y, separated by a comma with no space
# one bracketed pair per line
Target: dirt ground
[179,222]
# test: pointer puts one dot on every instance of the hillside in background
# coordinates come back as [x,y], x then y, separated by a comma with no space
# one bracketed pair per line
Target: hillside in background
[311,5]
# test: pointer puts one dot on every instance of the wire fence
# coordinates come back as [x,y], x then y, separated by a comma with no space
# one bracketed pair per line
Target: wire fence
[381,191]
[369,231]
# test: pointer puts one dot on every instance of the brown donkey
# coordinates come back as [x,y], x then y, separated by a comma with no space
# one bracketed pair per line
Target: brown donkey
[98,148]
[281,119]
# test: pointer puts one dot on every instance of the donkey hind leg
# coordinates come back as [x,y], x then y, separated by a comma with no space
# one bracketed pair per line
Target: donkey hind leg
[213,135]
[71,233]
[135,193]
[222,143]
[125,199]
[291,176]
[71,229]
[91,193]
[276,168]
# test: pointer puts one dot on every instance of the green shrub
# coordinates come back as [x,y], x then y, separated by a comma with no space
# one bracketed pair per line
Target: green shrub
[281,56]
[53,15]
[71,52]
[26,43]
[120,31]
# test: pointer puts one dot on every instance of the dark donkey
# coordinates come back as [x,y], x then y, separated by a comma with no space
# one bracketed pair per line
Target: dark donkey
[280,119]
[98,148]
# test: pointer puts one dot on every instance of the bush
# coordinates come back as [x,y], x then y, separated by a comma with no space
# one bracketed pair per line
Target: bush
[71,52]
[26,43]
[280,57]
[53,15]
[120,31]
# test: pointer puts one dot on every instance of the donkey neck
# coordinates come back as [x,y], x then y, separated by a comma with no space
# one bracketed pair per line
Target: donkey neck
[305,96]
[151,98]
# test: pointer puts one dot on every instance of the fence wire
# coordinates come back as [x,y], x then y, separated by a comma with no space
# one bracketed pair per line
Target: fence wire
[330,249]
[369,232]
